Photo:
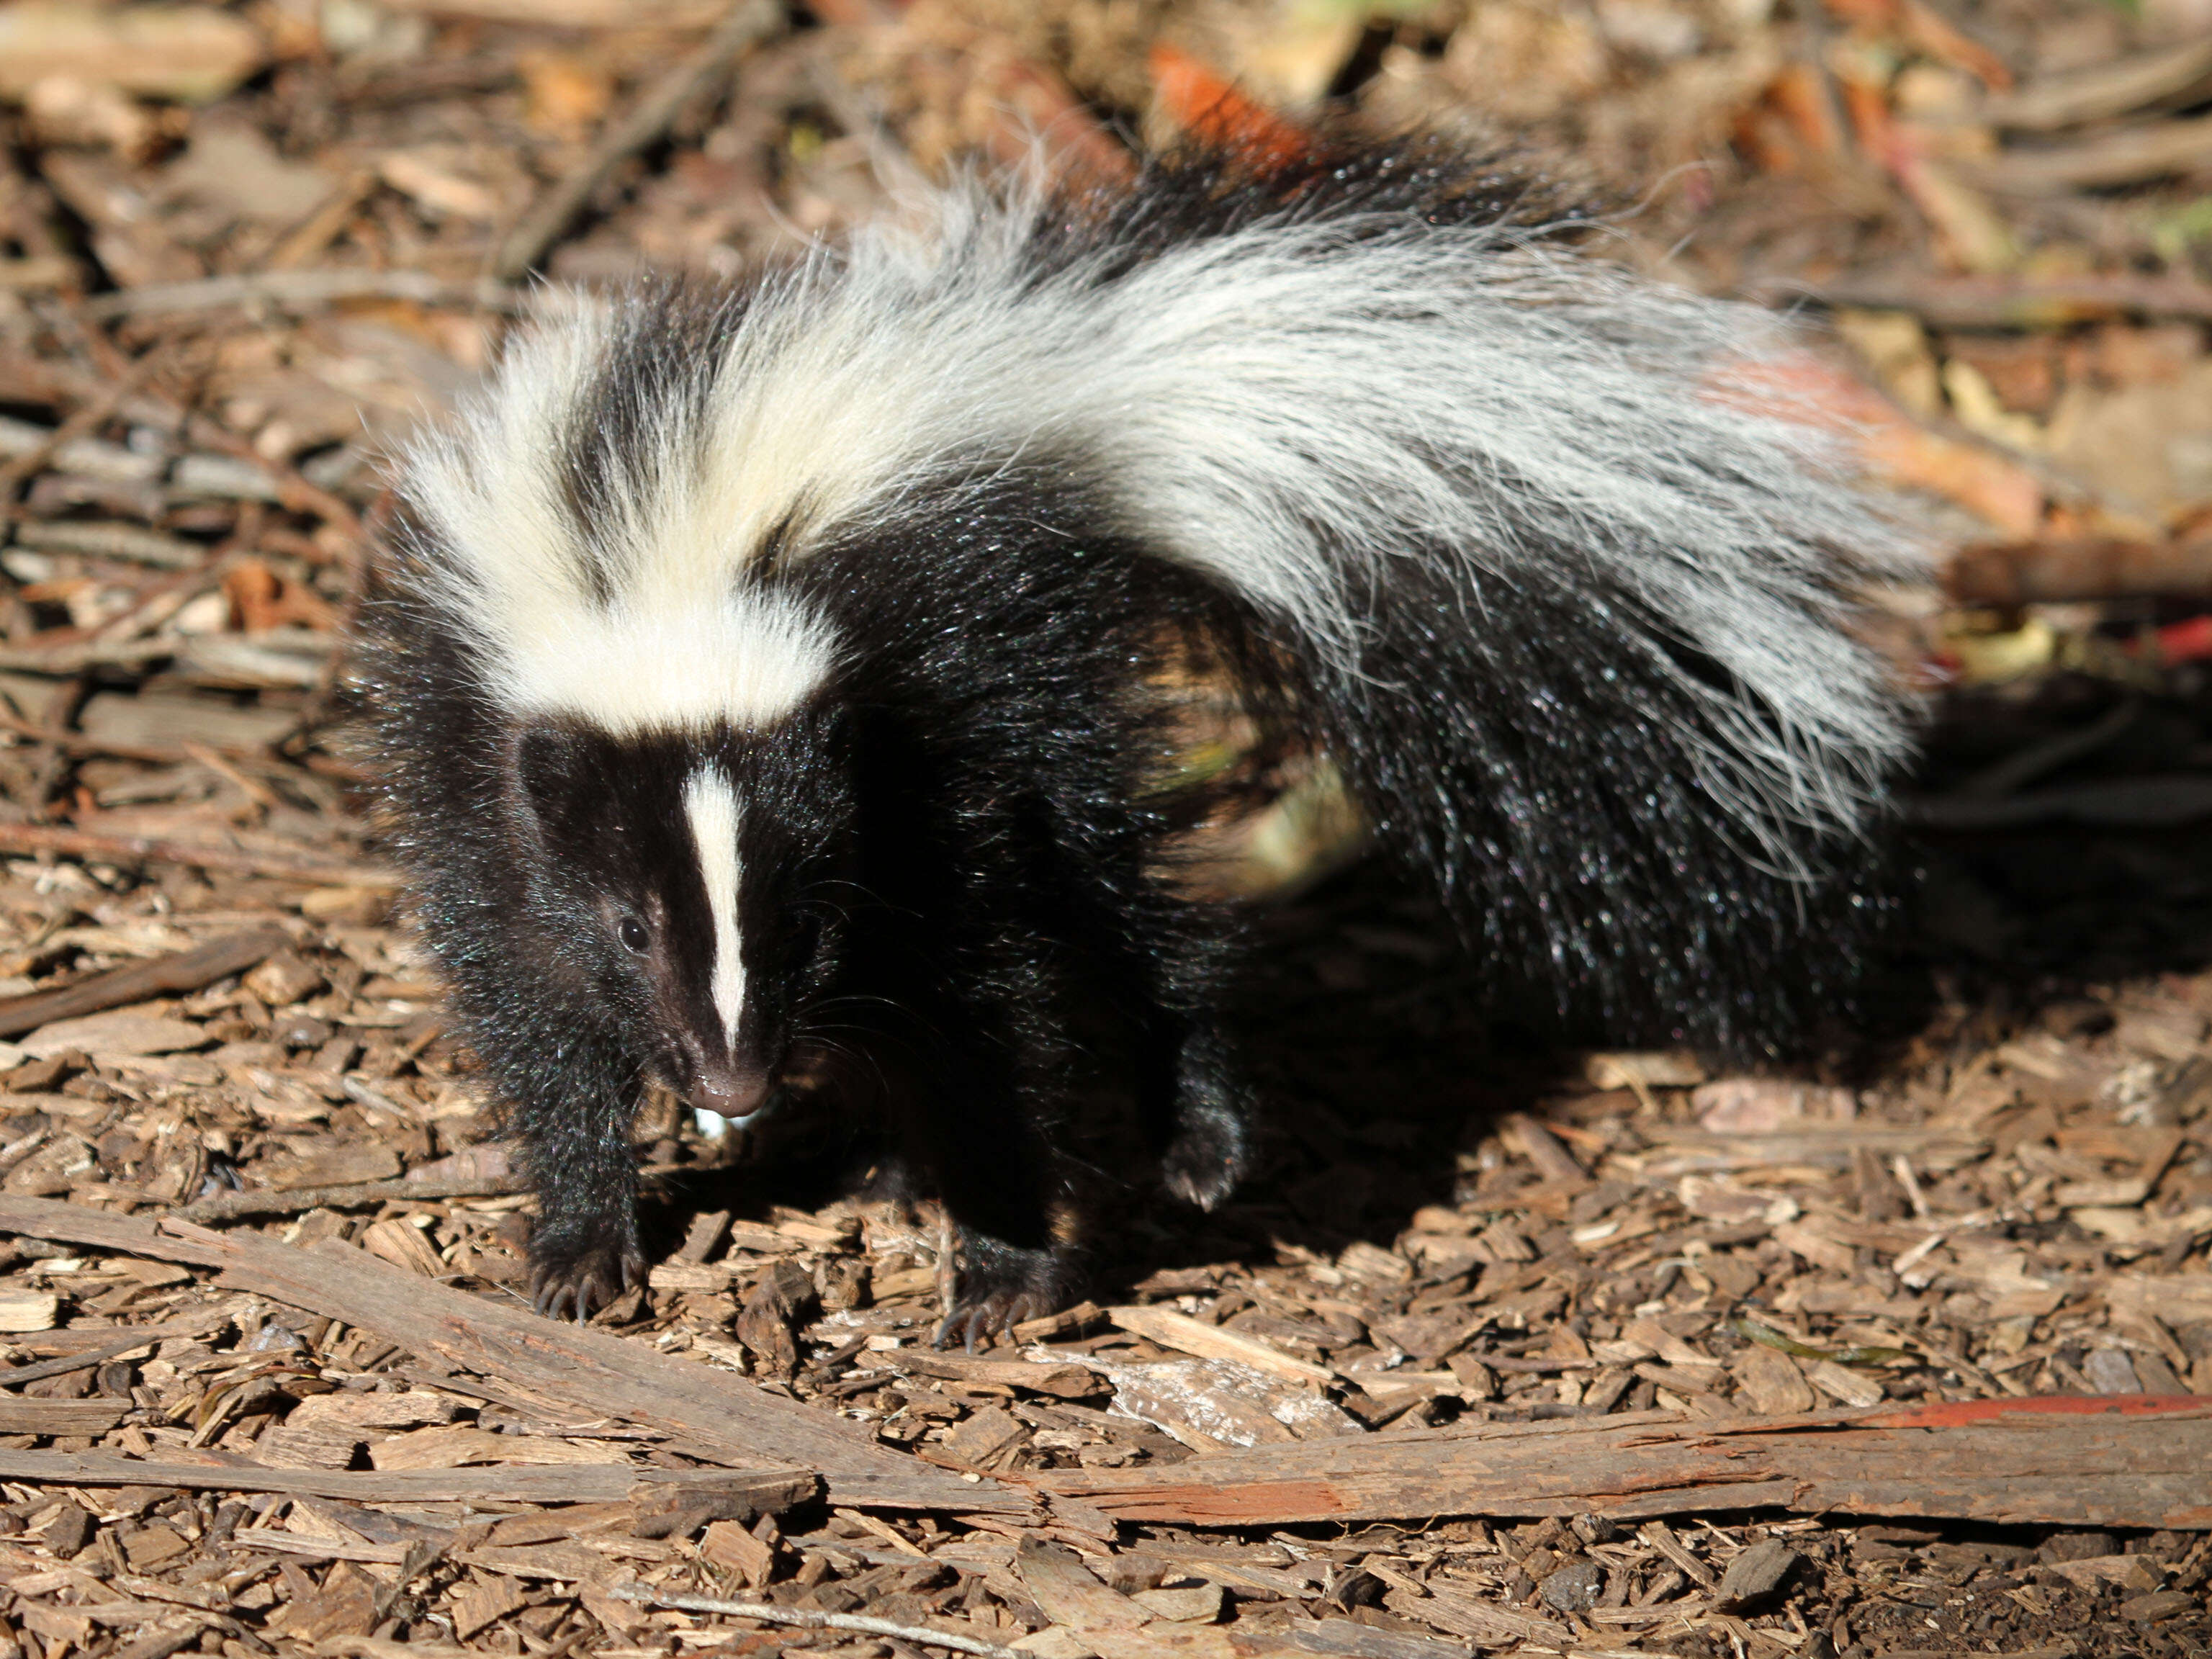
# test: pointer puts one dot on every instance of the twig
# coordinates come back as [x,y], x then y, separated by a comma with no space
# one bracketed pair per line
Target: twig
[299,289]
[153,754]
[103,405]
[105,539]
[747,23]
[292,491]
[77,655]
[185,971]
[232,1206]
[2128,157]
[2102,91]
[588,1372]
[2045,569]
[142,1336]
[141,849]
[807,1619]
[2005,301]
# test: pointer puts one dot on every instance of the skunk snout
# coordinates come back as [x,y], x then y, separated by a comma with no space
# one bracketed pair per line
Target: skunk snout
[729,1093]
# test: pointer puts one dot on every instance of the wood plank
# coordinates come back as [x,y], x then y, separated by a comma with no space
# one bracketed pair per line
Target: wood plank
[19,1416]
[169,976]
[773,1490]
[2111,1460]
[714,1413]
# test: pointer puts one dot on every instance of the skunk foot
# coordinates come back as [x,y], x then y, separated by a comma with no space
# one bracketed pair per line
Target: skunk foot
[1207,1157]
[1212,1149]
[1001,1286]
[582,1279]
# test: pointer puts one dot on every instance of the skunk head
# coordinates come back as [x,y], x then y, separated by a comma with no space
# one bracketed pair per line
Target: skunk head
[697,883]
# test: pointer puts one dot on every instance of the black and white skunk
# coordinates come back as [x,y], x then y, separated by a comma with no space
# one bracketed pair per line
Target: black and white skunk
[765,676]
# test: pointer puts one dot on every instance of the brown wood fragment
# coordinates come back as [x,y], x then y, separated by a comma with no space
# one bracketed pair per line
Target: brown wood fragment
[1061,1380]
[345,1605]
[2019,1463]
[2125,157]
[772,1491]
[483,1602]
[1343,1639]
[2010,301]
[124,1339]
[721,1416]
[1478,1621]
[1067,1591]
[232,1206]
[146,849]
[2100,91]
[2102,568]
[171,976]
[19,1416]
[727,1544]
[1180,1331]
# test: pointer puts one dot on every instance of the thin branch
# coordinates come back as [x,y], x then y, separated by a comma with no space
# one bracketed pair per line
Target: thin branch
[19,838]
[184,971]
[748,23]
[298,289]
[2004,301]
[807,1619]
[232,1206]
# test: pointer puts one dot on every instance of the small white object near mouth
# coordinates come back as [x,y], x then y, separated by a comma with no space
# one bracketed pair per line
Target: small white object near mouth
[713,1126]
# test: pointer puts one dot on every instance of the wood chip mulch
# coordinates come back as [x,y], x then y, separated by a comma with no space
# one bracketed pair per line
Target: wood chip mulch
[1512,1347]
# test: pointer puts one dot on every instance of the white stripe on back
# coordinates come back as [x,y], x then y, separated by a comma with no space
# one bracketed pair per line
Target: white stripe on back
[711,805]
[1286,409]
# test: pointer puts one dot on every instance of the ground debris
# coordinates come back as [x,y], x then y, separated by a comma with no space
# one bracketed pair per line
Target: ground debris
[1496,1351]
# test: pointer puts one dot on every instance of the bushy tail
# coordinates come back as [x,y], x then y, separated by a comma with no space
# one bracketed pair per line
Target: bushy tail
[1564,575]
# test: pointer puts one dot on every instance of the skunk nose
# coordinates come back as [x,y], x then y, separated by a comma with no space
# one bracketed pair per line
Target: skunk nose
[733,1097]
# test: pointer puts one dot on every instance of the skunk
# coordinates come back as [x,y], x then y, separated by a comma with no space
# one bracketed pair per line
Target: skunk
[766,679]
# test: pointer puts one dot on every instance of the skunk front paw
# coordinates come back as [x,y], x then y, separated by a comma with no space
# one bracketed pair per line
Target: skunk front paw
[582,1279]
[1001,1285]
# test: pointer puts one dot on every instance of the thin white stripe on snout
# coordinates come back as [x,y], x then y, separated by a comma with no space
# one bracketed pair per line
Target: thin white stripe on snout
[711,804]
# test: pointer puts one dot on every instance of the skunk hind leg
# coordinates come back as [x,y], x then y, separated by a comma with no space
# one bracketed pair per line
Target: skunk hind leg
[1210,1147]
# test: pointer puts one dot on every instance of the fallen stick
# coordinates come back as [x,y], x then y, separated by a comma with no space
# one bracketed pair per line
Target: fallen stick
[2111,1460]
[235,861]
[2126,157]
[233,1206]
[713,1415]
[2097,567]
[2100,91]
[76,743]
[2006,302]
[143,1336]
[292,491]
[768,1613]
[748,23]
[771,1490]
[297,288]
[62,661]
[187,970]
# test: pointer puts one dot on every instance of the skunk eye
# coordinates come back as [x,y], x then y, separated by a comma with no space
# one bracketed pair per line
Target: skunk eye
[632,934]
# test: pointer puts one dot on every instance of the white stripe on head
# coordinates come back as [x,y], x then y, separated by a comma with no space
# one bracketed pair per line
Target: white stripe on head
[742,659]
[711,805]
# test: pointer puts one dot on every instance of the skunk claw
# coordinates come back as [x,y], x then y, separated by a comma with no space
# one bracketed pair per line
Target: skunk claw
[582,1281]
[984,1316]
